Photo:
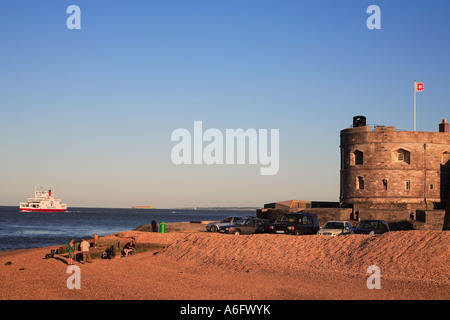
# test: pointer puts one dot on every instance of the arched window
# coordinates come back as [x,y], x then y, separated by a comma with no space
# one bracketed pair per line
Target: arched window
[360,183]
[446,158]
[357,158]
[404,156]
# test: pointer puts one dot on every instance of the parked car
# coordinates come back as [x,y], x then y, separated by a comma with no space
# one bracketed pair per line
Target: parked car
[371,227]
[296,223]
[336,228]
[247,226]
[214,226]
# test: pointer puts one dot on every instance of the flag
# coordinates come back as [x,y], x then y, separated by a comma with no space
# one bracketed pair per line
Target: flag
[419,86]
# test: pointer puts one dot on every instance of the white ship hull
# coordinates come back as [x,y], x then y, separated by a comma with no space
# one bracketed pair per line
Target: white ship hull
[41,210]
[43,201]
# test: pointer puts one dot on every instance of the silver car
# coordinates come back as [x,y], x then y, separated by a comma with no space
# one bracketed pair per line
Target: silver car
[214,226]
[336,228]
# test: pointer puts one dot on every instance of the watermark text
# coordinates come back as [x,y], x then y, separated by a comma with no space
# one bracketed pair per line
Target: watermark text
[236,146]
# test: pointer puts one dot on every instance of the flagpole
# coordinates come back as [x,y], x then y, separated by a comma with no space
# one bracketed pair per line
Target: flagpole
[414,105]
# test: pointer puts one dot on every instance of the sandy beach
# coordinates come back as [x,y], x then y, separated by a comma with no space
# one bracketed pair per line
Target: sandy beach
[196,265]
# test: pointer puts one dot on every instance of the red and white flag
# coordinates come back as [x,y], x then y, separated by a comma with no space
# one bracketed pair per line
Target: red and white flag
[418,86]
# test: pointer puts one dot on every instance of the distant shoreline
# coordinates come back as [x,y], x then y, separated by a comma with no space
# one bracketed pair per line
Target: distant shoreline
[214,208]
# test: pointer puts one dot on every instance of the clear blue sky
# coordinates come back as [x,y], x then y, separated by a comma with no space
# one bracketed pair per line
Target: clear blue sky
[90,112]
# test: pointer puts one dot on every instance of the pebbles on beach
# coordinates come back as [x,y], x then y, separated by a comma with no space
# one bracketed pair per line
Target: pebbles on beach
[200,265]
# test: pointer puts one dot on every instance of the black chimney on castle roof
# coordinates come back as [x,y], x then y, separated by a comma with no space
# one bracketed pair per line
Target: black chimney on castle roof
[359,121]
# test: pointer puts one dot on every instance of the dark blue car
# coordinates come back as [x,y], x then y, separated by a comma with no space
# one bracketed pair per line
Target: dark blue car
[371,227]
[247,226]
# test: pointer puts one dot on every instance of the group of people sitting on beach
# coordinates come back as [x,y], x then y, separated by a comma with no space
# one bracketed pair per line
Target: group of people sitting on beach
[85,245]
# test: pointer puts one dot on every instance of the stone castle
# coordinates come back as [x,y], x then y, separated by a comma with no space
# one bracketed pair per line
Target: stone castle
[402,177]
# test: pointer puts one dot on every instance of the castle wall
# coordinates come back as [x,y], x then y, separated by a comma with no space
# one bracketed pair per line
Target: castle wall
[401,177]
[383,167]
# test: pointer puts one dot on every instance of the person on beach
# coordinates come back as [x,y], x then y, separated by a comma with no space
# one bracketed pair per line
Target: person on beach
[71,245]
[95,240]
[85,251]
[128,247]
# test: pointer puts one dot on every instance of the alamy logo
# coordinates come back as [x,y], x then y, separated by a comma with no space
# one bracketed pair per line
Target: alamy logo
[191,150]
[74,280]
[74,20]
[374,280]
[374,21]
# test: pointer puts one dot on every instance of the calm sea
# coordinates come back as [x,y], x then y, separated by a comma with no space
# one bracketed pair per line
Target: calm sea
[21,230]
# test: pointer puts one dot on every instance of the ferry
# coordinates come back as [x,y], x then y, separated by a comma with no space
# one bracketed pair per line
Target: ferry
[43,201]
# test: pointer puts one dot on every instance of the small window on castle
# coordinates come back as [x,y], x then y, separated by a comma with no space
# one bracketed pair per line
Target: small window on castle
[385,184]
[403,155]
[408,185]
[360,183]
[431,186]
[356,158]
[359,157]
